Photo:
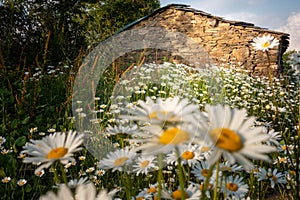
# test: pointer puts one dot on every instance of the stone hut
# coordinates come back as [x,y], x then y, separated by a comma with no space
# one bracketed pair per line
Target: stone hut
[225,41]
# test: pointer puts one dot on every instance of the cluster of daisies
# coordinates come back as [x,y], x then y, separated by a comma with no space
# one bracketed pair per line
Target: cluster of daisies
[176,130]
[217,146]
[191,134]
[51,71]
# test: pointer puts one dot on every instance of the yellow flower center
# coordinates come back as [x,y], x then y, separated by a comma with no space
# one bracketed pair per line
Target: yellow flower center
[151,190]
[57,153]
[39,173]
[227,139]
[177,195]
[281,160]
[174,136]
[284,147]
[5,180]
[274,178]
[205,149]
[225,168]
[187,155]
[205,172]
[22,155]
[292,172]
[120,161]
[100,172]
[81,158]
[266,44]
[145,163]
[232,186]
[21,183]
[154,115]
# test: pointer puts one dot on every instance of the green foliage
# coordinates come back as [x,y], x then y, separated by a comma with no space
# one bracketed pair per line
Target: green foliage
[38,37]
[42,33]
[111,15]
[42,43]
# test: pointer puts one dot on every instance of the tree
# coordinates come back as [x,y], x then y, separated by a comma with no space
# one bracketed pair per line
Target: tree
[111,15]
[48,32]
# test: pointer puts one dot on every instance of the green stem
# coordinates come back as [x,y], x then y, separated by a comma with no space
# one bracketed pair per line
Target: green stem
[217,181]
[63,173]
[128,186]
[281,191]
[56,180]
[23,192]
[160,176]
[251,182]
[265,191]
[225,182]
[207,182]
[180,174]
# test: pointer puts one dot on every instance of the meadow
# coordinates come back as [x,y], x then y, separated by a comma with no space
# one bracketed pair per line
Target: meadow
[188,133]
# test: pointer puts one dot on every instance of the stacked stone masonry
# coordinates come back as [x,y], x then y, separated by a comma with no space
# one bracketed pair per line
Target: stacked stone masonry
[226,42]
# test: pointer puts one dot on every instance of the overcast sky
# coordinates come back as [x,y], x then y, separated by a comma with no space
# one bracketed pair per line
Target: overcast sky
[280,15]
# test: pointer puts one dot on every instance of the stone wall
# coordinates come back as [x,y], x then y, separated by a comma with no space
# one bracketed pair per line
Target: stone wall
[226,42]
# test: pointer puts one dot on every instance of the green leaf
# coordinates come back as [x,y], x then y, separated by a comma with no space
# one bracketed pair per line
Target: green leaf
[21,141]
[15,123]
[26,120]
[28,188]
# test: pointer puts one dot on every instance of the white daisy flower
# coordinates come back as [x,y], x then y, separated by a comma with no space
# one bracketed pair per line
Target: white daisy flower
[32,130]
[73,183]
[261,174]
[76,182]
[235,187]
[39,173]
[57,146]
[63,193]
[81,158]
[164,140]
[2,140]
[232,136]
[5,151]
[286,148]
[201,171]
[279,159]
[121,129]
[22,155]
[100,172]
[228,167]
[265,42]
[118,160]
[51,130]
[22,182]
[148,193]
[274,176]
[68,165]
[191,193]
[144,164]
[6,179]
[90,170]
[190,155]
[85,192]
[274,138]
[210,186]
[171,110]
